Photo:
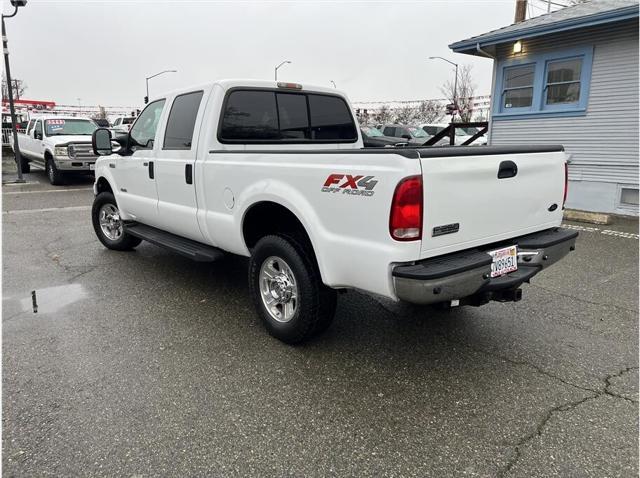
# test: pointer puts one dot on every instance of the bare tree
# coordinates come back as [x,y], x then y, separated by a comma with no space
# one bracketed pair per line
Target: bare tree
[384,115]
[429,111]
[465,93]
[18,87]
[405,114]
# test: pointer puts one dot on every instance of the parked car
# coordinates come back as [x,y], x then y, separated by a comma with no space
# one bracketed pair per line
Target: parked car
[102,122]
[60,144]
[373,138]
[277,172]
[411,134]
[122,124]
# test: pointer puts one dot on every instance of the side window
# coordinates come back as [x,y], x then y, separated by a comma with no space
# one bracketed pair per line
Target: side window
[250,115]
[518,87]
[182,120]
[330,119]
[390,131]
[117,122]
[143,132]
[30,126]
[38,130]
[562,84]
[294,116]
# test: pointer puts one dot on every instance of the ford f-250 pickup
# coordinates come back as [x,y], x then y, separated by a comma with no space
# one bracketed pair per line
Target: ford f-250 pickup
[60,144]
[277,172]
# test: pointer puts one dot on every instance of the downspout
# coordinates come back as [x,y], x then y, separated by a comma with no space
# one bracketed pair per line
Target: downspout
[493,84]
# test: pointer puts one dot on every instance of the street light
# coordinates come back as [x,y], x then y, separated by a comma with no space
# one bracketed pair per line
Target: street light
[455,82]
[334,83]
[14,127]
[146,98]
[276,68]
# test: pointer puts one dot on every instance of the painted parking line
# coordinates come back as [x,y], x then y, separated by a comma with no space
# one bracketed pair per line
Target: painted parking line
[606,232]
[48,209]
[10,193]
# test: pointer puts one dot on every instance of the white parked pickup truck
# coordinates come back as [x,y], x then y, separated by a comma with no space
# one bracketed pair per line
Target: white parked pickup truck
[60,144]
[277,172]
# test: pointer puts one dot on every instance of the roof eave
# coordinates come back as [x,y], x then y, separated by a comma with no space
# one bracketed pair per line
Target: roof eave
[469,46]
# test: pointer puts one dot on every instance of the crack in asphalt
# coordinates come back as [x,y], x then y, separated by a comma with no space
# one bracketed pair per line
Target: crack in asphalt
[566,407]
[569,296]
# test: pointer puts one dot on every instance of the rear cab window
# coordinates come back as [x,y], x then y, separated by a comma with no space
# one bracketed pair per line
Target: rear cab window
[274,116]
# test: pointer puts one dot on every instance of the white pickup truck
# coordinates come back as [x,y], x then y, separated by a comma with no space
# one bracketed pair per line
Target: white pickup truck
[278,172]
[60,144]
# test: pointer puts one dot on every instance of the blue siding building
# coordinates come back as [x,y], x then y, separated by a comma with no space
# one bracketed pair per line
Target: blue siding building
[571,77]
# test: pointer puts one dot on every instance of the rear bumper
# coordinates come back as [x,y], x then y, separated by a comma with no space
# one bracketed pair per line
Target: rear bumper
[466,275]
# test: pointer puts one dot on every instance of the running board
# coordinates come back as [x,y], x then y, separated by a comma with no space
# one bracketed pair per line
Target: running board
[193,250]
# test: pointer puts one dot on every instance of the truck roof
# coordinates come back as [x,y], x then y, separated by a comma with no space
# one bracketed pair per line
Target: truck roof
[249,83]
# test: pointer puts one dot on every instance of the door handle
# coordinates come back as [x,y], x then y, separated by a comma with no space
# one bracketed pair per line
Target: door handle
[188,173]
[151,175]
[507,169]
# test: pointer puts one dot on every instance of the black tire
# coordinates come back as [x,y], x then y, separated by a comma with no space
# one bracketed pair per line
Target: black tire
[126,241]
[55,176]
[316,304]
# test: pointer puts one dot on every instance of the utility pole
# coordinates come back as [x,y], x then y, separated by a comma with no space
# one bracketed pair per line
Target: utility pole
[12,109]
[521,11]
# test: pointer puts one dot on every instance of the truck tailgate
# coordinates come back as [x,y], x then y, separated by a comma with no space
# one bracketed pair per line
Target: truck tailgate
[467,205]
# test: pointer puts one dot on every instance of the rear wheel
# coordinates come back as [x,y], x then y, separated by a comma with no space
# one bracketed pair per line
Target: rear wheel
[53,173]
[108,225]
[287,290]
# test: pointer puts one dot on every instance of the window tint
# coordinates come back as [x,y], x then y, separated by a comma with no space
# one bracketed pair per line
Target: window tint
[330,118]
[143,132]
[182,119]
[38,128]
[390,131]
[518,86]
[30,126]
[563,81]
[250,115]
[279,116]
[294,118]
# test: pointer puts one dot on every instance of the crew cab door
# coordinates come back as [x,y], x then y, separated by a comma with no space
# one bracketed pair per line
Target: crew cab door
[25,140]
[135,174]
[175,171]
[36,144]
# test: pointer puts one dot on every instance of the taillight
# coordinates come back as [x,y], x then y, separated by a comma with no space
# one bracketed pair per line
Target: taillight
[405,221]
[566,183]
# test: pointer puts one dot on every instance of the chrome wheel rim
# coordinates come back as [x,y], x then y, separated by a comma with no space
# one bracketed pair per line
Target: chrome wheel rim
[278,289]
[110,222]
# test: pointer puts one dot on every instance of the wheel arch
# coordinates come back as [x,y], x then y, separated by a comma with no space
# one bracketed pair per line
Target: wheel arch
[266,217]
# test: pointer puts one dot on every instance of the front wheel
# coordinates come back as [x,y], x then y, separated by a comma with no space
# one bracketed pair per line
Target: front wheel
[287,290]
[53,173]
[108,225]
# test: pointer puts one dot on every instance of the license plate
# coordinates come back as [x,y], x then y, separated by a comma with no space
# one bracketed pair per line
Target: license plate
[504,261]
[92,167]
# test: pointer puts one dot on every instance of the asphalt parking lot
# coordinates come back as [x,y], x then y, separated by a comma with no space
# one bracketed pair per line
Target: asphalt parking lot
[146,364]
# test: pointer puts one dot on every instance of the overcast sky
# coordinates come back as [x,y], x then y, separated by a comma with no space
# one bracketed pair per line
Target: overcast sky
[101,51]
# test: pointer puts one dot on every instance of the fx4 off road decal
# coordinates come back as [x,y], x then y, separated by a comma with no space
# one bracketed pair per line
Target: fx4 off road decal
[359,185]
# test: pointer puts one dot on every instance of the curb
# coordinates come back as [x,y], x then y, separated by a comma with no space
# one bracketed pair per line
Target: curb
[587,216]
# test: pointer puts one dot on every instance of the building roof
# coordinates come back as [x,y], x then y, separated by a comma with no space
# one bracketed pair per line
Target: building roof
[594,12]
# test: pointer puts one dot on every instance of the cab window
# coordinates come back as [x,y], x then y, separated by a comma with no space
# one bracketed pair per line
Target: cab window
[30,126]
[143,132]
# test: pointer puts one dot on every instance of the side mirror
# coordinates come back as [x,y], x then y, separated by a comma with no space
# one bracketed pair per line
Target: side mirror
[37,135]
[101,142]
